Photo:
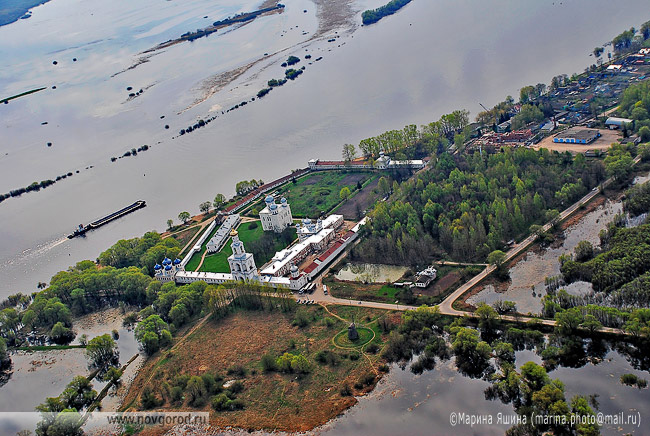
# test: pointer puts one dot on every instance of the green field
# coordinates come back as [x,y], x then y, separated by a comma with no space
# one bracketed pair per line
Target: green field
[218,262]
[317,193]
[196,259]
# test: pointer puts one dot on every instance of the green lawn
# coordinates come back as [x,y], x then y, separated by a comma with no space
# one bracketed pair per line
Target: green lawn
[196,259]
[317,193]
[218,262]
[388,292]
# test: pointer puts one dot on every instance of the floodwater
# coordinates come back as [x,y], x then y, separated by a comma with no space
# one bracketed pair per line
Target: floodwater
[527,286]
[371,273]
[42,374]
[423,403]
[429,59]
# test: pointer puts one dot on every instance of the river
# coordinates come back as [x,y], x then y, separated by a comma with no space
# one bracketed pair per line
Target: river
[429,59]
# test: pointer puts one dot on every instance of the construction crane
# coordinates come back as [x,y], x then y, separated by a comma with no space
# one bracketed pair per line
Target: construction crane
[496,121]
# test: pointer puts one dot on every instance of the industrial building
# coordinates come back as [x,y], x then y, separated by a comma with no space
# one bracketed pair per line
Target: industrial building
[577,136]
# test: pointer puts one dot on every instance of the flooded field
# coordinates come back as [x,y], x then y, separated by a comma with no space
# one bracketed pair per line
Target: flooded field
[527,286]
[425,402]
[40,374]
[91,118]
[371,273]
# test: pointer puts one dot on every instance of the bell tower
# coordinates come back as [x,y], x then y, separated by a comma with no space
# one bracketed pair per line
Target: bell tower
[242,264]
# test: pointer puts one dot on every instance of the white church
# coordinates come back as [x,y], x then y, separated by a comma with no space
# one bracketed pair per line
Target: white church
[242,268]
[276,217]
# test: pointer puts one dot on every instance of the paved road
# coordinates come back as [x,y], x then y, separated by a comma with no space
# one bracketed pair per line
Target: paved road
[446,307]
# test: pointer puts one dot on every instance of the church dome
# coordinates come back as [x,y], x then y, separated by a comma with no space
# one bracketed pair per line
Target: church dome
[269,199]
[233,233]
[283,200]
[177,261]
[168,268]
[157,267]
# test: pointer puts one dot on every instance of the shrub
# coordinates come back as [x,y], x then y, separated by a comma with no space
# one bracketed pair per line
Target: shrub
[372,348]
[149,399]
[301,319]
[220,401]
[237,370]
[253,225]
[326,357]
[354,355]
[346,391]
[367,379]
[176,394]
[236,387]
[268,363]
[329,322]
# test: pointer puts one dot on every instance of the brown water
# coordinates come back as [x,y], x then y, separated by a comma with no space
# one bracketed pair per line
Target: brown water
[527,276]
[371,273]
[429,59]
[42,374]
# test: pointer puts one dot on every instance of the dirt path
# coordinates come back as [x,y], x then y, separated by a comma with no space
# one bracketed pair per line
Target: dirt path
[205,253]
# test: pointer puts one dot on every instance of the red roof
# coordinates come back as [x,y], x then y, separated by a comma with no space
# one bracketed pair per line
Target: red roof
[323,257]
[264,188]
[312,266]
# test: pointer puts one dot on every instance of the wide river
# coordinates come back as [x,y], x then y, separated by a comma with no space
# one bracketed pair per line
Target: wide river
[430,58]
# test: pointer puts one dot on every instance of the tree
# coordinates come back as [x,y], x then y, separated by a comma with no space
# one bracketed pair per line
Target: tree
[645,30]
[496,258]
[383,186]
[184,216]
[205,207]
[618,163]
[644,134]
[4,356]
[584,251]
[568,320]
[196,389]
[153,333]
[170,224]
[598,51]
[102,351]
[218,201]
[61,334]
[591,323]
[349,152]
[79,393]
[345,193]
[553,217]
[113,375]
[488,318]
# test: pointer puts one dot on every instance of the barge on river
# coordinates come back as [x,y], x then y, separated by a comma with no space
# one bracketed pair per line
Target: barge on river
[81,230]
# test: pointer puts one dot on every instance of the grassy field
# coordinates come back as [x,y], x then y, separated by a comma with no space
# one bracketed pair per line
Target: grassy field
[317,193]
[232,349]
[196,259]
[218,262]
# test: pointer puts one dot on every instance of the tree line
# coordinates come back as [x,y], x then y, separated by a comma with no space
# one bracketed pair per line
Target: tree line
[469,205]
[371,16]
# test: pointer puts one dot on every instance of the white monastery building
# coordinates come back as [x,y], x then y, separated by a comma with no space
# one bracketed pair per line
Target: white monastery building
[282,270]
[276,217]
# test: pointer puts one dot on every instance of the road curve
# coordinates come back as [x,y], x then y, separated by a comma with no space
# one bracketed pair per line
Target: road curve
[446,307]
